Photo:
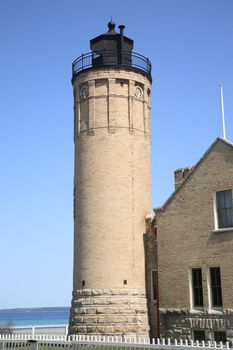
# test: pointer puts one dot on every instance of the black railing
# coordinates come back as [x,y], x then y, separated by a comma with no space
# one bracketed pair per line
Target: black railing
[109,59]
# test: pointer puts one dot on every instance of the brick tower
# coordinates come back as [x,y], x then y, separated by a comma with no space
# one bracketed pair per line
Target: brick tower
[112,187]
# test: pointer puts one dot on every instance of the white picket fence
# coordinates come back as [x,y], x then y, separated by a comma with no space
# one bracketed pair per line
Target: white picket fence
[55,342]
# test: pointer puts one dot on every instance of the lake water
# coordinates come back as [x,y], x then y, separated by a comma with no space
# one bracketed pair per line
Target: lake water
[35,316]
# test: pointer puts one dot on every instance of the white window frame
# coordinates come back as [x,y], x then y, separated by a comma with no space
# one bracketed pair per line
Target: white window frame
[216,226]
[209,288]
[215,212]
[151,285]
[192,307]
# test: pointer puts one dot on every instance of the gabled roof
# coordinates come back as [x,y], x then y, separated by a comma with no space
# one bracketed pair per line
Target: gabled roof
[218,139]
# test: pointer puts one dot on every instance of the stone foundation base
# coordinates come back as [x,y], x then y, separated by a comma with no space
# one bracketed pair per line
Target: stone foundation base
[180,323]
[121,312]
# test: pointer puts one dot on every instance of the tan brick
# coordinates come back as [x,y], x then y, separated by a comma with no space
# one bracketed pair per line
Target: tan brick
[89,319]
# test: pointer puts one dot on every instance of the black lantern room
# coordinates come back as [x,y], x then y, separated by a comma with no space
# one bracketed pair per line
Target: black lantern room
[112,49]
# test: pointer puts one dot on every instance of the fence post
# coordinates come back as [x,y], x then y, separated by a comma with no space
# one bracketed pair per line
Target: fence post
[33,332]
[34,344]
[76,346]
[66,331]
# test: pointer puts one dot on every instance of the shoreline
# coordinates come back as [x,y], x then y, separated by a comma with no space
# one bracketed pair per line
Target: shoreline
[43,308]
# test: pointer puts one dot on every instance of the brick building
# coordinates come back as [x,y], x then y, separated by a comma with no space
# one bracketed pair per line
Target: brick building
[194,247]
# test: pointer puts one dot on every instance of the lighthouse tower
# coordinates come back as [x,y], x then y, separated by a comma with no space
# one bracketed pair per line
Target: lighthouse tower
[112,187]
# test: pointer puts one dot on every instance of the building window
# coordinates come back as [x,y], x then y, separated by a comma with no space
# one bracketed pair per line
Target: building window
[224,209]
[154,285]
[198,335]
[215,285]
[197,287]
[220,336]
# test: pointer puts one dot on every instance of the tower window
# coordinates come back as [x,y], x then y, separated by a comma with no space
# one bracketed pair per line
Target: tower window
[215,284]
[84,92]
[197,290]
[125,281]
[224,209]
[138,91]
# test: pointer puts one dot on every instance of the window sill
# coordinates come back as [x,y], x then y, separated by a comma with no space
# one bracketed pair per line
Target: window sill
[226,229]
[216,311]
[197,310]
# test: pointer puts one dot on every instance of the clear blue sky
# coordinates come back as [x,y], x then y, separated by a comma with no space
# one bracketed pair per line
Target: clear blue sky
[189,43]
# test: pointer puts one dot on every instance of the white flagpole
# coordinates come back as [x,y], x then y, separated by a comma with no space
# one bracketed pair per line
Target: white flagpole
[222,109]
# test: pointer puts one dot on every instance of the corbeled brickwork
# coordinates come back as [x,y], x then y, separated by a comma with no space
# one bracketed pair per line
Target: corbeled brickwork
[112,198]
[112,99]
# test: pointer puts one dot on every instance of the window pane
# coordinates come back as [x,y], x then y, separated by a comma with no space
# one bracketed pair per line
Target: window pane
[216,289]
[230,217]
[228,199]
[197,287]
[220,199]
[224,208]
[198,335]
